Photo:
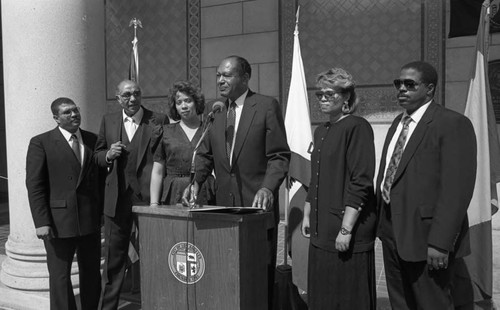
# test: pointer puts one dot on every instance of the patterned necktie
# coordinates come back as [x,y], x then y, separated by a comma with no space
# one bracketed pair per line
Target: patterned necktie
[76,147]
[395,159]
[231,120]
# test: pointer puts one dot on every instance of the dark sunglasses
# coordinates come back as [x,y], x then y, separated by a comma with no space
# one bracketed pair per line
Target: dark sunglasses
[408,83]
[329,95]
[127,95]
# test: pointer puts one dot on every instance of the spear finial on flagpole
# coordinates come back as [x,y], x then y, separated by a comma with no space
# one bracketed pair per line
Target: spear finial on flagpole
[297,20]
[133,72]
[136,22]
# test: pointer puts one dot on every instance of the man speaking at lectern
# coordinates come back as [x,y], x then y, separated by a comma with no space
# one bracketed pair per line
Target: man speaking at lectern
[246,147]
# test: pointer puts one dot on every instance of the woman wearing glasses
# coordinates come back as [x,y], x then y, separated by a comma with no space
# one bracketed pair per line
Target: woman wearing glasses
[172,160]
[339,213]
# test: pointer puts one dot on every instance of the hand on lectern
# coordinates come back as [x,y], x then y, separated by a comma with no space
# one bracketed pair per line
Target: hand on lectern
[190,194]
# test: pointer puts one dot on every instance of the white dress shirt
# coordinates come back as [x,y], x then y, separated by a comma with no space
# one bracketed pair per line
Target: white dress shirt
[238,109]
[67,135]
[415,118]
[131,123]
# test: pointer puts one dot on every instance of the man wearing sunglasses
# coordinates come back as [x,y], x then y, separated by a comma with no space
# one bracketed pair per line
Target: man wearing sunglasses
[425,183]
[126,144]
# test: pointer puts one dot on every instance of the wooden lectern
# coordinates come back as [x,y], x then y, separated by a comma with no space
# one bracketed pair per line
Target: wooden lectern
[208,259]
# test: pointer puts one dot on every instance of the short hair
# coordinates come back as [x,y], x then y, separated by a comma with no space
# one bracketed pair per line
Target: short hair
[342,81]
[428,72]
[189,90]
[54,107]
[243,65]
[120,85]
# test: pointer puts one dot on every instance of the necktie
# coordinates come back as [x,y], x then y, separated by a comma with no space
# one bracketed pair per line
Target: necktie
[130,128]
[395,159]
[76,148]
[231,120]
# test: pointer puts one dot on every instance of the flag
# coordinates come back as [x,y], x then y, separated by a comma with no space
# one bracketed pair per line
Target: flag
[465,15]
[474,272]
[299,137]
[133,72]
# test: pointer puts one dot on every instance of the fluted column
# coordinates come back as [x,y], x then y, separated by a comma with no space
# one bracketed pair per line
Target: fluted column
[51,48]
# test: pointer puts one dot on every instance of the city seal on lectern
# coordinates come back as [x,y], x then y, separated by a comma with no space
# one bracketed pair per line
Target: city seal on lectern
[186,262]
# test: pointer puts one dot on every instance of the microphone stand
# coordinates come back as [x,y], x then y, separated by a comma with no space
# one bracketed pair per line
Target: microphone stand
[207,126]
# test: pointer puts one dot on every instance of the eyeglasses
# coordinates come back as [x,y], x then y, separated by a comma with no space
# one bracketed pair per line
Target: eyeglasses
[408,83]
[329,95]
[127,95]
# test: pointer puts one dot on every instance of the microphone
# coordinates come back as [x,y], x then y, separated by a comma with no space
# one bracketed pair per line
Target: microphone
[216,107]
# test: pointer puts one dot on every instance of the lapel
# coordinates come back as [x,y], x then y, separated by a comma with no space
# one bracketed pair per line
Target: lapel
[246,118]
[218,132]
[388,139]
[143,133]
[62,147]
[117,124]
[415,139]
[88,149]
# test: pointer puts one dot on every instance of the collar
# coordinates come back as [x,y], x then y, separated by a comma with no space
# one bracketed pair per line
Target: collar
[417,115]
[137,117]
[241,99]
[67,135]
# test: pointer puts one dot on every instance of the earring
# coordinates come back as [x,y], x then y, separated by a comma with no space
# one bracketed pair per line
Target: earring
[345,107]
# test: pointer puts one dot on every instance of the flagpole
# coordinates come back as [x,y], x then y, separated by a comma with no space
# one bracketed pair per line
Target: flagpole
[287,207]
[287,192]
[134,61]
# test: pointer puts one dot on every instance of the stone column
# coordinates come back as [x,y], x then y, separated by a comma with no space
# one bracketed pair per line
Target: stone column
[51,48]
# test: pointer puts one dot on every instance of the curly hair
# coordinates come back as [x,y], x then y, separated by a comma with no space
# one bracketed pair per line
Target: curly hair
[342,81]
[189,90]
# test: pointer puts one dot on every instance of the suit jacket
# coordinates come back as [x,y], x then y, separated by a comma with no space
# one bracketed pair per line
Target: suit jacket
[62,194]
[150,130]
[433,185]
[260,154]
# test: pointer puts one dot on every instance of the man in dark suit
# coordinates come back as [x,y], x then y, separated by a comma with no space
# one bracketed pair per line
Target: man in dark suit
[126,144]
[425,183]
[66,205]
[246,146]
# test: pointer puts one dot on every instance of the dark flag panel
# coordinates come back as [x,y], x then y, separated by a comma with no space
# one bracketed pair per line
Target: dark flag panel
[464,17]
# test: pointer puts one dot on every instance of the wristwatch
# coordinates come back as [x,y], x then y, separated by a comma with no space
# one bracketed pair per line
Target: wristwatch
[344,231]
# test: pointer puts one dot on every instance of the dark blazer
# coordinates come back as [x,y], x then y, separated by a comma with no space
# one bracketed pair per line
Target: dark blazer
[433,185]
[62,195]
[111,132]
[260,156]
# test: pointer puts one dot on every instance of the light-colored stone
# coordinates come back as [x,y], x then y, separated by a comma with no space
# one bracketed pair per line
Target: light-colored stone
[50,49]
[260,16]
[256,48]
[208,3]
[269,79]
[209,82]
[223,20]
[456,95]
[464,57]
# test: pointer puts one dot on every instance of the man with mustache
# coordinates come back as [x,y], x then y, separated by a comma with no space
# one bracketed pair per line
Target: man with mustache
[247,148]
[126,144]
[424,186]
[66,204]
